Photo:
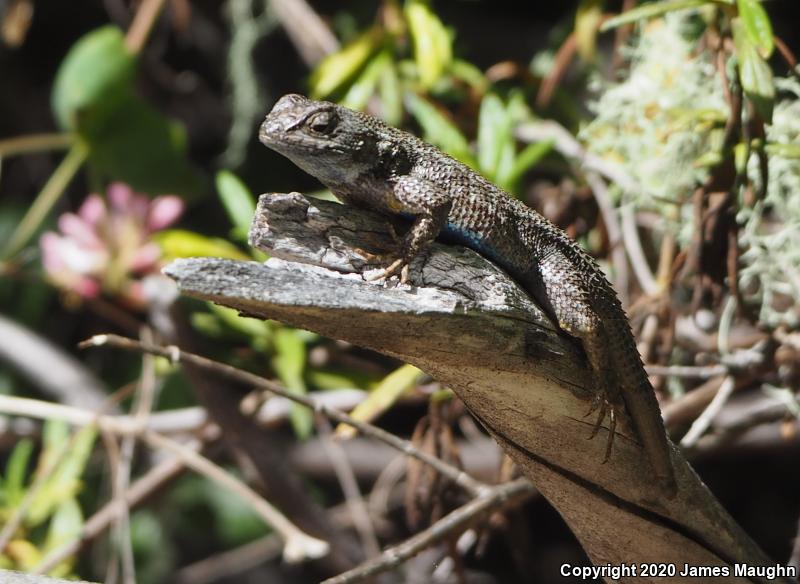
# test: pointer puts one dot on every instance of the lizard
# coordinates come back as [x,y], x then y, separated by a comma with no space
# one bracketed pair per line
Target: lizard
[368,163]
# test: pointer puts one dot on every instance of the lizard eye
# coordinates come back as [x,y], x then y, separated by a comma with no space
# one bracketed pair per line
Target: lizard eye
[322,122]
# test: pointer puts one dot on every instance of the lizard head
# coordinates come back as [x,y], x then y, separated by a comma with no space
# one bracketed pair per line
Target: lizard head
[328,141]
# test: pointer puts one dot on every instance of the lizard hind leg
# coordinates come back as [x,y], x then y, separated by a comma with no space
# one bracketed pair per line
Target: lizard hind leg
[569,301]
[606,398]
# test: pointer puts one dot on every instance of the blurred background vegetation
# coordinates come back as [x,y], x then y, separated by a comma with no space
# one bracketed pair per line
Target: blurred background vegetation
[663,136]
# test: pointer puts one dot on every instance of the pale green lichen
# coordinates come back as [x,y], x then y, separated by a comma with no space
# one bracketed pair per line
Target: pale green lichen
[662,120]
[663,125]
[770,235]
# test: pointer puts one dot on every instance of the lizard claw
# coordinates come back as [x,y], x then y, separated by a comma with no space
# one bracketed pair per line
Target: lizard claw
[612,431]
[594,405]
[600,417]
[399,265]
[606,408]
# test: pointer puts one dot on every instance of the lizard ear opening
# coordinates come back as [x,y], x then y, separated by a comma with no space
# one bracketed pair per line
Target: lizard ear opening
[322,122]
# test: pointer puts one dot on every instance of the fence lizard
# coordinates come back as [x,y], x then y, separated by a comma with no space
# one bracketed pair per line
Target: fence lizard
[367,163]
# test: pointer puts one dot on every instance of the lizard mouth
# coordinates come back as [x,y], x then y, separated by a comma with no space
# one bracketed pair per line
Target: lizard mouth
[288,142]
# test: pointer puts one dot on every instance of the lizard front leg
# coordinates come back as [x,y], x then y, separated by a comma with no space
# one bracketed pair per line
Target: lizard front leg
[429,204]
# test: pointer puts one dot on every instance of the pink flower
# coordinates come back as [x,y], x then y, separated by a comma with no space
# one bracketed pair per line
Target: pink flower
[107,246]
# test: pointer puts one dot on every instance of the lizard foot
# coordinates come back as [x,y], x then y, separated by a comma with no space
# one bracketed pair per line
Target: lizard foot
[605,407]
[399,265]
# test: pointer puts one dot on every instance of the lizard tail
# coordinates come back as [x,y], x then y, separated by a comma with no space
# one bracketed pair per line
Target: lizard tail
[642,405]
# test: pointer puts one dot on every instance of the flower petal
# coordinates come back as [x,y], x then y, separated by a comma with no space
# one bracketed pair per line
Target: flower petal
[164,211]
[51,258]
[93,210]
[119,194]
[74,227]
[145,258]
[86,287]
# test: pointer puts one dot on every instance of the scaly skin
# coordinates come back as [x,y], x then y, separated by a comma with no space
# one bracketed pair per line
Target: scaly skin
[370,164]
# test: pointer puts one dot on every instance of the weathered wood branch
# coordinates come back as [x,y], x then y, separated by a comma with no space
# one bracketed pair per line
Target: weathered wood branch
[470,326]
[9,577]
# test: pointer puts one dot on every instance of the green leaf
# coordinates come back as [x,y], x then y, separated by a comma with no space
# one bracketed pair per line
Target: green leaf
[587,21]
[364,86]
[338,68]
[207,325]
[138,145]
[127,139]
[754,73]
[433,52]
[790,150]
[26,555]
[16,468]
[526,159]
[289,363]
[326,380]
[65,525]
[64,482]
[651,10]
[156,556]
[238,201]
[438,130]
[234,520]
[469,74]
[95,75]
[741,152]
[757,25]
[55,435]
[391,95]
[494,133]
[250,327]
[382,397]
[179,243]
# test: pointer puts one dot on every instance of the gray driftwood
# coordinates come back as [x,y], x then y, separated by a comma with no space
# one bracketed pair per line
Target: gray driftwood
[467,324]
[9,577]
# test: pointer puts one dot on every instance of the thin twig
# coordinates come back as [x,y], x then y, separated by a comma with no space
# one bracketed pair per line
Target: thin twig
[633,245]
[187,420]
[787,55]
[465,481]
[609,213]
[298,546]
[142,24]
[112,452]
[47,197]
[311,36]
[230,563]
[564,55]
[352,494]
[704,420]
[32,143]
[690,371]
[142,407]
[447,525]
[65,379]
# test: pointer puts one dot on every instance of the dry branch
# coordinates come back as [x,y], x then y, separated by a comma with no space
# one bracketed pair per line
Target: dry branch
[467,324]
[9,577]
